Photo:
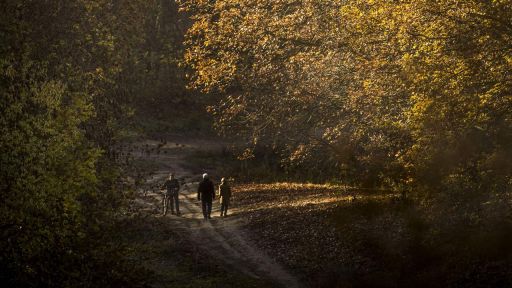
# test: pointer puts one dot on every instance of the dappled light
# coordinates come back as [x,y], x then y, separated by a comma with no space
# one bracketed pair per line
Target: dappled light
[256,143]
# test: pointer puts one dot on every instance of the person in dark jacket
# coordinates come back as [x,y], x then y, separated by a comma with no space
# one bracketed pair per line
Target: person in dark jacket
[206,194]
[171,197]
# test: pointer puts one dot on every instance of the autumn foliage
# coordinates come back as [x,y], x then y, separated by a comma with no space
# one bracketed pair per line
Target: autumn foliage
[409,96]
[398,93]
[409,102]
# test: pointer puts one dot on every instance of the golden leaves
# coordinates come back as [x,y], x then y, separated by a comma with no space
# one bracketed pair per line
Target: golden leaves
[385,74]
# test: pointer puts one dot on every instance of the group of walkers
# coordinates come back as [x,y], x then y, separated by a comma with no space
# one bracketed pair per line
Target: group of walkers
[205,194]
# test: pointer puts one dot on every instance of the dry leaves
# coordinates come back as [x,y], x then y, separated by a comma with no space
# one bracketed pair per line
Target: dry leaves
[293,222]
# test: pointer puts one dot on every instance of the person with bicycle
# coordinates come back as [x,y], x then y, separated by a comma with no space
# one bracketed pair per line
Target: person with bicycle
[171,195]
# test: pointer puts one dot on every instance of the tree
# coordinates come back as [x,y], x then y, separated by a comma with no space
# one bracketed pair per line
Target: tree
[402,92]
[64,66]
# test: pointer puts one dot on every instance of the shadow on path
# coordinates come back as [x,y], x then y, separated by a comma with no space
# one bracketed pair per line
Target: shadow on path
[219,237]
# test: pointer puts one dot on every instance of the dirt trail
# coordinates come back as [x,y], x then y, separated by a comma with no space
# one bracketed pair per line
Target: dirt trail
[220,237]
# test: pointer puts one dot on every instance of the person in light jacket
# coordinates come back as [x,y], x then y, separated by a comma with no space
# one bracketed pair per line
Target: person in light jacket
[224,196]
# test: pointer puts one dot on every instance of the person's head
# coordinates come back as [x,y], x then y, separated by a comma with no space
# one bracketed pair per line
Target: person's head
[205,176]
[171,176]
[223,180]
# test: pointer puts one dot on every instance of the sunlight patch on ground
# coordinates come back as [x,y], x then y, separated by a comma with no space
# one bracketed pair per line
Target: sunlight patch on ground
[296,195]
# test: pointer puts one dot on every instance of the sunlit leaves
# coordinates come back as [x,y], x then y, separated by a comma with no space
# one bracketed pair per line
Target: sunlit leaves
[407,78]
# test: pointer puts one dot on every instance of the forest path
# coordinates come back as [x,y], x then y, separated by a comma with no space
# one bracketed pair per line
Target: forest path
[219,237]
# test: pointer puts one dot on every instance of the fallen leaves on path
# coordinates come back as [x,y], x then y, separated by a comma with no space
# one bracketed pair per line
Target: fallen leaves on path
[293,223]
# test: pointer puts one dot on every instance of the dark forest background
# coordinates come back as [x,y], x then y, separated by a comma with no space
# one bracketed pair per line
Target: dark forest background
[78,77]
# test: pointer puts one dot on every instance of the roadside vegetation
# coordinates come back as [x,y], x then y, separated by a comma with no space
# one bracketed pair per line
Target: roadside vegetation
[74,76]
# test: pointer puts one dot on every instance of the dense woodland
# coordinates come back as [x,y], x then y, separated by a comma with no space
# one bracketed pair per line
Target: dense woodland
[398,93]
[408,96]
[413,98]
[72,75]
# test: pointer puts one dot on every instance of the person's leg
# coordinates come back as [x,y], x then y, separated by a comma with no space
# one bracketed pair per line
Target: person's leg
[171,202]
[209,208]
[226,205]
[203,206]
[222,205]
[177,202]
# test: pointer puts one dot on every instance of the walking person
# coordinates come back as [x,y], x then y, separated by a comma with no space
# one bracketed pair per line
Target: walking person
[206,194]
[171,196]
[224,196]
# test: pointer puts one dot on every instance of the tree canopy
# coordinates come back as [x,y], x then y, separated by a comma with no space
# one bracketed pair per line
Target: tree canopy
[401,92]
